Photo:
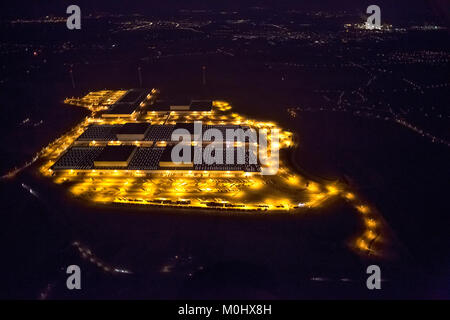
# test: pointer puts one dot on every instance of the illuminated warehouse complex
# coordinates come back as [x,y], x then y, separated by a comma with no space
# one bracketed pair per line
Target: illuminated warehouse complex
[122,153]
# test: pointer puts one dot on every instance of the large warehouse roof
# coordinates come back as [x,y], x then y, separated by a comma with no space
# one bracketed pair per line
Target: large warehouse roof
[128,104]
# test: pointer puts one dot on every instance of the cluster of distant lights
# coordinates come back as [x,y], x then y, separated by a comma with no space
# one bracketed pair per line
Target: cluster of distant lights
[369,26]
[389,27]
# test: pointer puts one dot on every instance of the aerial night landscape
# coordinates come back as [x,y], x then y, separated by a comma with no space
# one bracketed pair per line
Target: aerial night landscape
[236,150]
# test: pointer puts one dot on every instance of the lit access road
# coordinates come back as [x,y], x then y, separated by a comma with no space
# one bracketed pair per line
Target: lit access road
[283,192]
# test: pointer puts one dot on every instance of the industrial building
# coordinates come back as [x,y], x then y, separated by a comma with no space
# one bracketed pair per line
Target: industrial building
[125,139]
